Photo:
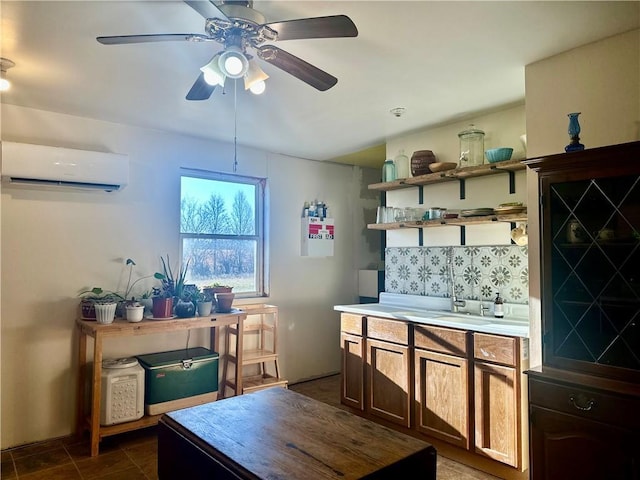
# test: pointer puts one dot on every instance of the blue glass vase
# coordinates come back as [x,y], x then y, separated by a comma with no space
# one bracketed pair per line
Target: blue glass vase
[574,132]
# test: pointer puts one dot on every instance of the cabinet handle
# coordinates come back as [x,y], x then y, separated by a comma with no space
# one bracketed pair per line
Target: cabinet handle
[581,402]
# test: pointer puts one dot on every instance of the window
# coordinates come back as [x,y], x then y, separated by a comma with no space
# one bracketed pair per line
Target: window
[222,231]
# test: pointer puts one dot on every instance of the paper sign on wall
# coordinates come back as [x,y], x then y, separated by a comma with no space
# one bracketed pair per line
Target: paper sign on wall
[317,237]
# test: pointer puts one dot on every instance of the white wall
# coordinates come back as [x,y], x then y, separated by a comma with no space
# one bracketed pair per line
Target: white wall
[54,243]
[601,80]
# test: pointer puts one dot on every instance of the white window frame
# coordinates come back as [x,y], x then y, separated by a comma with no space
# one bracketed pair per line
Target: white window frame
[261,274]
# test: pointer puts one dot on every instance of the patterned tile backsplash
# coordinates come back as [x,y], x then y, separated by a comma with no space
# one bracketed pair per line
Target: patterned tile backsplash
[478,271]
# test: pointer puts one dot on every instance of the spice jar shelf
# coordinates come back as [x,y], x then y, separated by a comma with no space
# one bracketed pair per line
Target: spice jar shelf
[450,175]
[459,221]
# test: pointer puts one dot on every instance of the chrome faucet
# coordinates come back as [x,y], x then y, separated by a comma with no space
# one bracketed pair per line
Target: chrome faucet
[455,303]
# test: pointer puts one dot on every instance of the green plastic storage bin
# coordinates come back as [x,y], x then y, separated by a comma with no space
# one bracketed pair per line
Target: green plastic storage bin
[179,374]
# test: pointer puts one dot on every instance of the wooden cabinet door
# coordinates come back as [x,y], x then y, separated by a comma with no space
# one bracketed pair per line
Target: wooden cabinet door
[564,446]
[442,396]
[352,384]
[497,410]
[389,385]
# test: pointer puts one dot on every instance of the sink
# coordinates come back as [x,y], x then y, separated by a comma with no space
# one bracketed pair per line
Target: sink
[418,313]
[464,320]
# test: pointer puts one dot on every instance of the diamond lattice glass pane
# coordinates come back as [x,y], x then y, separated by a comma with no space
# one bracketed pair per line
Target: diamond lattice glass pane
[568,194]
[595,271]
[572,289]
[574,348]
[594,201]
[621,354]
[595,330]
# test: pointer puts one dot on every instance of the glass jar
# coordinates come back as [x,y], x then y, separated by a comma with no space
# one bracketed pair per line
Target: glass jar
[388,171]
[471,147]
[401,162]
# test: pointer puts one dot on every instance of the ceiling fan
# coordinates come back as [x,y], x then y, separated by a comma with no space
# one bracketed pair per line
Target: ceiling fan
[237,26]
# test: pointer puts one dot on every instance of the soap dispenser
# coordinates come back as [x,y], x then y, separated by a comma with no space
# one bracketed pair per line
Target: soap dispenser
[498,306]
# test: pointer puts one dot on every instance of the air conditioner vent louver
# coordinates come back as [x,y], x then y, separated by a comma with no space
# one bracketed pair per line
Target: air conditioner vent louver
[44,166]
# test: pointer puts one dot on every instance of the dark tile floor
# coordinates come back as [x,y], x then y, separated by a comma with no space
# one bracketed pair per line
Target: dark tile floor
[133,455]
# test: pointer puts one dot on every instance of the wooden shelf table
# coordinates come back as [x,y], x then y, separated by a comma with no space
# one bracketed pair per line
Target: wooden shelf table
[122,328]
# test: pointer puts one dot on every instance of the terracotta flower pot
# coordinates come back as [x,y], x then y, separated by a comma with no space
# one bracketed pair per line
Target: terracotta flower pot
[162,307]
[224,302]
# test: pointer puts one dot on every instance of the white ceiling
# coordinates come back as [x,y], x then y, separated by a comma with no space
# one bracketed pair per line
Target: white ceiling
[442,61]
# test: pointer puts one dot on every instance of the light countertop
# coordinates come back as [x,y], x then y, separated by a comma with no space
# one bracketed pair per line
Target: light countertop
[436,311]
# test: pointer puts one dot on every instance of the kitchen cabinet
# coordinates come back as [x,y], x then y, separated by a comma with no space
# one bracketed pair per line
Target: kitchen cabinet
[590,251]
[442,380]
[582,432]
[120,329]
[376,368]
[353,358]
[499,363]
[458,386]
[460,175]
[388,370]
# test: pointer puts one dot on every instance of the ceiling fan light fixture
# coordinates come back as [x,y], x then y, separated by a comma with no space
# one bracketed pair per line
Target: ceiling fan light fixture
[254,78]
[258,87]
[212,73]
[233,62]
[5,64]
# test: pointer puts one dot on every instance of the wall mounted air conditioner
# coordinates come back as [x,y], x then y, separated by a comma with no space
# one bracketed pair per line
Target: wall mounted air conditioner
[41,165]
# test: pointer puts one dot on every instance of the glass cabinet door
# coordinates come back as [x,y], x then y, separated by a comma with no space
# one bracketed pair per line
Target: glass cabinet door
[591,270]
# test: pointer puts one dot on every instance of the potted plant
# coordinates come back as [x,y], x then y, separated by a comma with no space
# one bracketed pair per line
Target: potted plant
[204,303]
[171,289]
[186,305]
[146,299]
[89,297]
[217,288]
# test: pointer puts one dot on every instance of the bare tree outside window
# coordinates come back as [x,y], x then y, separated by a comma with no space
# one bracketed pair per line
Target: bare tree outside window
[221,230]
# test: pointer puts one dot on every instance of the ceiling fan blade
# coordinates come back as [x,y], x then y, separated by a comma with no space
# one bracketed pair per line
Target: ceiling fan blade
[297,67]
[318,27]
[200,90]
[206,9]
[159,37]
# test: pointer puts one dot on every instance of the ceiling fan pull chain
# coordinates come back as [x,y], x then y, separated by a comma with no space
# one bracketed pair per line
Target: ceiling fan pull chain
[235,126]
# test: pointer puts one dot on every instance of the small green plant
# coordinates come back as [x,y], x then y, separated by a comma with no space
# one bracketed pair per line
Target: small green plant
[173,286]
[100,295]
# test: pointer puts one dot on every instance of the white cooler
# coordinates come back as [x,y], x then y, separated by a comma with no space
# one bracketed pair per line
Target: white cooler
[122,391]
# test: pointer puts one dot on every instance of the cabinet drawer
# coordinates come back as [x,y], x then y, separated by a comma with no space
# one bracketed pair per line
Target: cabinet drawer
[395,331]
[495,348]
[606,407]
[350,323]
[439,339]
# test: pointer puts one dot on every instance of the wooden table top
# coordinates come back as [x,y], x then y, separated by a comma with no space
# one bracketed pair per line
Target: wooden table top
[277,433]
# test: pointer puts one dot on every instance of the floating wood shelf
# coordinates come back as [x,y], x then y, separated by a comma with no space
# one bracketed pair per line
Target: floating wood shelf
[450,175]
[443,222]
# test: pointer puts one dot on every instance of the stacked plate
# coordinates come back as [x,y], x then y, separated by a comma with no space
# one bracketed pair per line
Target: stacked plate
[476,212]
[510,208]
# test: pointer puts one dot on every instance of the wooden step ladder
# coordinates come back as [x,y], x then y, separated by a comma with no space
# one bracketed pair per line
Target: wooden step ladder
[259,355]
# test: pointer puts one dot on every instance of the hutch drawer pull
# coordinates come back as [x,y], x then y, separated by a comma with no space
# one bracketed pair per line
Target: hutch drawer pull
[581,402]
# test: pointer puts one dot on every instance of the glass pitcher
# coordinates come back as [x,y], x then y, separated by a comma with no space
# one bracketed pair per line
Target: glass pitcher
[471,147]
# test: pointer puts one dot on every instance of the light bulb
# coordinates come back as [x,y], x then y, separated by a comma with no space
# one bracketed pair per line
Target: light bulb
[5,64]
[258,87]
[213,78]
[212,74]
[233,65]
